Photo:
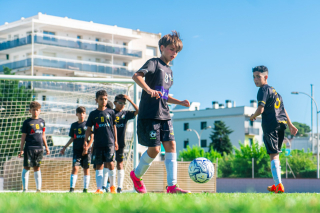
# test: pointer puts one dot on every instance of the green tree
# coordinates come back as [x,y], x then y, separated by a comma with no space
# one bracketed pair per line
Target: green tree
[190,154]
[220,141]
[14,101]
[303,129]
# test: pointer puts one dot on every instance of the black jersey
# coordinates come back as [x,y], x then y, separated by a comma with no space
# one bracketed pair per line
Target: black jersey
[103,122]
[158,76]
[34,129]
[121,124]
[78,133]
[273,113]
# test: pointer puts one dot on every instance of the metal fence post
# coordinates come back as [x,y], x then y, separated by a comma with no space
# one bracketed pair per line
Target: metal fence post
[286,168]
[252,168]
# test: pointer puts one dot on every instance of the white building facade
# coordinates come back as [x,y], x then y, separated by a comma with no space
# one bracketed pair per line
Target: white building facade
[236,118]
[45,45]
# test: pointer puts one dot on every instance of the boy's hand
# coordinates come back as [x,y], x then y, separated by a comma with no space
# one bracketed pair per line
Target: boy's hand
[293,129]
[20,154]
[154,93]
[185,103]
[84,152]
[126,97]
[62,151]
[116,146]
[252,118]
[48,151]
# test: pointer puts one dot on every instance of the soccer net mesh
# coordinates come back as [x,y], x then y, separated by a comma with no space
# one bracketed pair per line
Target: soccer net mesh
[59,101]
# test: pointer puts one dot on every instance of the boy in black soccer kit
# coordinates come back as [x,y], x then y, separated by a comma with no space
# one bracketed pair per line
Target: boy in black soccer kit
[33,137]
[154,121]
[122,118]
[105,139]
[274,122]
[77,135]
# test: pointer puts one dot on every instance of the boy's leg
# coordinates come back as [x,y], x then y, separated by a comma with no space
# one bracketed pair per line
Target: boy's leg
[275,168]
[25,178]
[86,178]
[36,162]
[112,174]
[99,175]
[120,175]
[109,156]
[73,177]
[171,162]
[37,177]
[105,177]
[146,161]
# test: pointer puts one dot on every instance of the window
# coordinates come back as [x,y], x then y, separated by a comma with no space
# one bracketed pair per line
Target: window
[250,141]
[49,54]
[16,36]
[196,108]
[203,143]
[185,126]
[79,37]
[79,58]
[97,39]
[44,98]
[49,38]
[151,51]
[186,143]
[124,44]
[203,125]
[98,60]
[125,64]
[251,123]
[7,56]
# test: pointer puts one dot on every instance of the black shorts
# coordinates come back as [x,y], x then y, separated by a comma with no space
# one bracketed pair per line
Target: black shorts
[102,155]
[79,160]
[32,157]
[273,139]
[151,132]
[120,154]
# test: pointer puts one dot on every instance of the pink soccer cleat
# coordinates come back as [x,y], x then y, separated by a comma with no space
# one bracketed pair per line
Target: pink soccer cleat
[176,190]
[138,184]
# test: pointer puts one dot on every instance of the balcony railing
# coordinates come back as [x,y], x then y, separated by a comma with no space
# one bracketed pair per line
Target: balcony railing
[71,43]
[252,131]
[74,65]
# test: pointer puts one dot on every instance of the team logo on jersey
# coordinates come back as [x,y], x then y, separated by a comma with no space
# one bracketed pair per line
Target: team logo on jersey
[42,124]
[74,136]
[32,131]
[153,134]
[108,116]
[96,126]
[85,128]
[123,116]
[166,78]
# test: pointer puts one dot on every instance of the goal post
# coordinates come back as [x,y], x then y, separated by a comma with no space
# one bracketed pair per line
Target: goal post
[59,97]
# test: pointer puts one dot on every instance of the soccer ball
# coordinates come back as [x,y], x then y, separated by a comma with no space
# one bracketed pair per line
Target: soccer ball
[201,170]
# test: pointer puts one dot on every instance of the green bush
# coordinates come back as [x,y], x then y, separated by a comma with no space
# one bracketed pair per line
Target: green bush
[196,152]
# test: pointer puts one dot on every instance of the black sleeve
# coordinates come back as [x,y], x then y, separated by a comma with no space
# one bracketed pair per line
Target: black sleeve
[113,116]
[130,115]
[148,68]
[71,131]
[24,128]
[89,121]
[262,97]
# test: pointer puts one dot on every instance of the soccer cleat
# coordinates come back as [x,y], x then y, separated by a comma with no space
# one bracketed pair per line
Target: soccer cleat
[119,190]
[85,190]
[138,184]
[113,189]
[106,189]
[71,190]
[279,188]
[272,188]
[176,190]
[99,191]
[38,191]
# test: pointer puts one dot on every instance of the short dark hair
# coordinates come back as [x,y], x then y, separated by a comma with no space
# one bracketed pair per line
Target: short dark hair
[80,109]
[119,97]
[173,38]
[35,105]
[101,93]
[109,105]
[260,68]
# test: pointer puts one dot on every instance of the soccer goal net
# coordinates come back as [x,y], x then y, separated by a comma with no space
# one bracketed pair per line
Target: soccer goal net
[59,98]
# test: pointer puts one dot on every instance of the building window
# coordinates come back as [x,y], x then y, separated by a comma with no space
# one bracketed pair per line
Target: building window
[185,126]
[151,51]
[79,37]
[49,38]
[125,64]
[44,98]
[251,123]
[203,143]
[203,125]
[97,39]
[124,44]
[250,141]
[186,143]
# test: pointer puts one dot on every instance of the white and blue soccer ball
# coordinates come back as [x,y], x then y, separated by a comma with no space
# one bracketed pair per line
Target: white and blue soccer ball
[201,170]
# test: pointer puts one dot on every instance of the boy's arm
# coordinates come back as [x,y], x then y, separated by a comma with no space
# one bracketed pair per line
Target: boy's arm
[293,129]
[258,112]
[23,139]
[138,78]
[172,100]
[88,133]
[45,142]
[115,137]
[64,148]
[133,104]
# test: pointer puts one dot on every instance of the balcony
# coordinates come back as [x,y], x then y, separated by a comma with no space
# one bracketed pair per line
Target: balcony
[251,131]
[70,65]
[80,44]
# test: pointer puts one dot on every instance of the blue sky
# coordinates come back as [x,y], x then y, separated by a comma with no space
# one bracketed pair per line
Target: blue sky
[223,40]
